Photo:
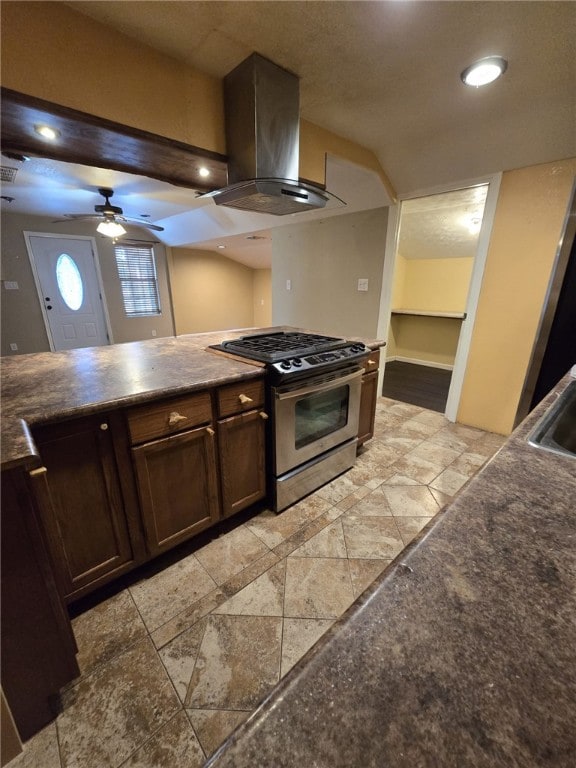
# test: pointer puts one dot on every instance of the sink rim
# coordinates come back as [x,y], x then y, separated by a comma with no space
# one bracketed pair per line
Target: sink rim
[548,422]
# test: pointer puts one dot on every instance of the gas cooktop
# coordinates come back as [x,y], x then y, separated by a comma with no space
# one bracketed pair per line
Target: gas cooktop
[271,347]
[290,354]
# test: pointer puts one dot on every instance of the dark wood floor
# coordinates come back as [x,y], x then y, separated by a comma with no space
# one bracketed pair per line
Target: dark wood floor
[417,384]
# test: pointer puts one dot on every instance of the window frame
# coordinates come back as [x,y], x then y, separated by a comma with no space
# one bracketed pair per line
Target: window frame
[138,280]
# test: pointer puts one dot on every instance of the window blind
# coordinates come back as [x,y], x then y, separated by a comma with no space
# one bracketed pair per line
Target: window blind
[137,273]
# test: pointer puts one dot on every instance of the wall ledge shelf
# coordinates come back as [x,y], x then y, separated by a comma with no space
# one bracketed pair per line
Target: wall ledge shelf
[430,313]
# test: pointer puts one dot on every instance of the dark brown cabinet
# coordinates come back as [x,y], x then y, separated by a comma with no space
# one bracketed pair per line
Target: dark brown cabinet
[242,441]
[368,398]
[38,647]
[82,505]
[175,473]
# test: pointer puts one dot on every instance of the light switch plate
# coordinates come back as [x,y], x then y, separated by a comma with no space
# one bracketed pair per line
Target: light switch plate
[288,285]
[11,285]
[362,283]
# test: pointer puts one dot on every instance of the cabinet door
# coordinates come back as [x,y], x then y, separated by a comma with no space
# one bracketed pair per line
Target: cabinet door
[177,486]
[38,648]
[83,511]
[242,460]
[367,406]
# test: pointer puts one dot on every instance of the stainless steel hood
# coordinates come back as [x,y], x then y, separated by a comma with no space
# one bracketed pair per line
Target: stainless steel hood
[262,111]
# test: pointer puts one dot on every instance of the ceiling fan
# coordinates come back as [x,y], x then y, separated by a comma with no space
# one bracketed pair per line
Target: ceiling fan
[111,217]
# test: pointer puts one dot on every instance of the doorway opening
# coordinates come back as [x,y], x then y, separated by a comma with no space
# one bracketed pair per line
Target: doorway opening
[437,244]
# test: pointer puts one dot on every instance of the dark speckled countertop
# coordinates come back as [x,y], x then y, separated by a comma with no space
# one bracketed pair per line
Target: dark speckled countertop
[461,655]
[53,386]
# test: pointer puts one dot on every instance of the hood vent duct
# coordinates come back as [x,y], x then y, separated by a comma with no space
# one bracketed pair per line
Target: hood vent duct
[262,108]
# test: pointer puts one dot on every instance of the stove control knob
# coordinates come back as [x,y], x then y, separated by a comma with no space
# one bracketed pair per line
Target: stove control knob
[297,362]
[358,348]
[285,365]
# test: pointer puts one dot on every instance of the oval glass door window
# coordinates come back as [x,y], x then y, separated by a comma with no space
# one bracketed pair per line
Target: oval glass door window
[69,281]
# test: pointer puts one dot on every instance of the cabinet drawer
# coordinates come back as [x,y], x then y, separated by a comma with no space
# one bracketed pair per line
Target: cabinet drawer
[239,397]
[169,417]
[373,361]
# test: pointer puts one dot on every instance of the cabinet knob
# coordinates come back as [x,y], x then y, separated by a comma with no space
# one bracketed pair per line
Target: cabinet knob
[210,431]
[244,399]
[371,362]
[263,415]
[176,418]
[104,426]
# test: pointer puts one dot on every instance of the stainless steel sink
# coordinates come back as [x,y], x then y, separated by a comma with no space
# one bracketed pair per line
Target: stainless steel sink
[556,430]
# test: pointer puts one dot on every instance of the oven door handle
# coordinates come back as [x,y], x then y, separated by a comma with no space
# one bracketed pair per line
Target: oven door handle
[310,389]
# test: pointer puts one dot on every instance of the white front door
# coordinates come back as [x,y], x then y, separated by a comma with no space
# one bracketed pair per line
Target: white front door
[69,290]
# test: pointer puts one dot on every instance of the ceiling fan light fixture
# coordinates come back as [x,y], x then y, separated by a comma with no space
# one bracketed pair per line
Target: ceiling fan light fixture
[110,228]
[484,71]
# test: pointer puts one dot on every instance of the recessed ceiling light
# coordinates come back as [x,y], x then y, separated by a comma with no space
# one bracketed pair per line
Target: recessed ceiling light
[484,71]
[47,132]
[204,172]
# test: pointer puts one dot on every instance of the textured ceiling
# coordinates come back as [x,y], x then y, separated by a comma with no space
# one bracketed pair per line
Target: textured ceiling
[445,225]
[384,74]
[387,74]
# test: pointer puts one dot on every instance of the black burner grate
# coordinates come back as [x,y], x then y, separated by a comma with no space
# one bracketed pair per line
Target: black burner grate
[271,347]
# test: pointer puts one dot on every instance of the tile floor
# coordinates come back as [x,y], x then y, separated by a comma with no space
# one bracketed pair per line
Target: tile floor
[172,664]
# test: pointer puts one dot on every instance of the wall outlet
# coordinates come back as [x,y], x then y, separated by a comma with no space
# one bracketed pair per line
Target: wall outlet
[153,333]
[13,347]
[363,284]
[288,285]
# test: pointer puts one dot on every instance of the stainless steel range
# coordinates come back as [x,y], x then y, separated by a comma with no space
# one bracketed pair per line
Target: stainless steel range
[313,396]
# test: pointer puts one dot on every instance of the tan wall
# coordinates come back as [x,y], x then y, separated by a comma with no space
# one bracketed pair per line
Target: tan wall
[148,89]
[54,53]
[426,339]
[324,260]
[210,292]
[262,293]
[527,227]
[316,143]
[22,320]
[435,285]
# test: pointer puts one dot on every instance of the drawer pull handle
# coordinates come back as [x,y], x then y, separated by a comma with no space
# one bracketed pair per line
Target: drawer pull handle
[244,399]
[263,415]
[371,362]
[104,427]
[176,418]
[210,431]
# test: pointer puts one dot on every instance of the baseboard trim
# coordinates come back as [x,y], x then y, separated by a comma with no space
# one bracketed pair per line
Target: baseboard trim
[414,361]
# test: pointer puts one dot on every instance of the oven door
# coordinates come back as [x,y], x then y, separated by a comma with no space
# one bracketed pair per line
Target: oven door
[314,415]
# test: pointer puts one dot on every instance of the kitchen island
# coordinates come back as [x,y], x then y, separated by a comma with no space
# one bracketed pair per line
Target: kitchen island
[112,456]
[462,654]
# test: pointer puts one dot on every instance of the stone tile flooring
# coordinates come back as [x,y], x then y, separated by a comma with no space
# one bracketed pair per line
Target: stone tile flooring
[172,664]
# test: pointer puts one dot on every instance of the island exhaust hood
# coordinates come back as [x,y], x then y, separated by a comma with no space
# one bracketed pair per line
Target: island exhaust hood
[262,112]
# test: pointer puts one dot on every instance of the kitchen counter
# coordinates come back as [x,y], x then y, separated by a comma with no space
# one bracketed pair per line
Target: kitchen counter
[53,386]
[462,653]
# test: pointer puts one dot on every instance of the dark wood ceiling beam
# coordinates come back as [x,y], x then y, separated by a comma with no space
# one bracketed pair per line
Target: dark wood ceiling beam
[93,141]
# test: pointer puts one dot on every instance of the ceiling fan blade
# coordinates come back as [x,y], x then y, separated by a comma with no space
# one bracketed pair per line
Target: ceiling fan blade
[140,223]
[78,217]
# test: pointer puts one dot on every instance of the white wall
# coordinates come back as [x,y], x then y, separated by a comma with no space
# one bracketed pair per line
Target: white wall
[323,260]
[22,320]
